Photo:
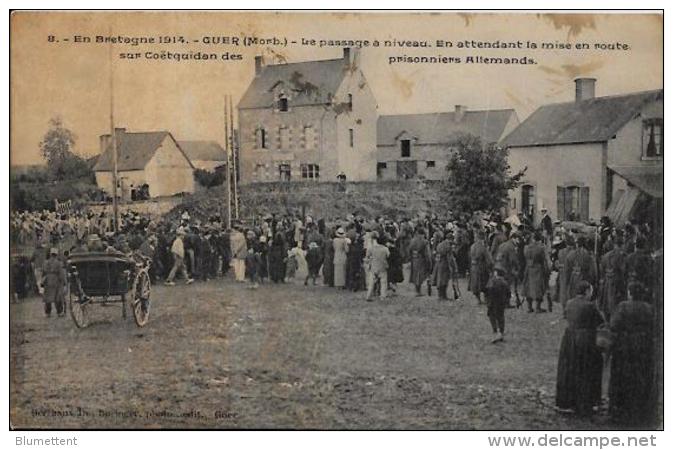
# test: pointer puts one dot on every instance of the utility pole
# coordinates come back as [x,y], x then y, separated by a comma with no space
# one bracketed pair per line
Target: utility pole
[113,142]
[226,148]
[234,156]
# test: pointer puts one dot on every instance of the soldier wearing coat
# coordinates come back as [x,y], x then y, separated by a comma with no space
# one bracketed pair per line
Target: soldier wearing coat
[53,281]
[446,268]
[613,278]
[481,264]
[640,266]
[537,273]
[419,251]
[508,259]
[580,266]
[561,266]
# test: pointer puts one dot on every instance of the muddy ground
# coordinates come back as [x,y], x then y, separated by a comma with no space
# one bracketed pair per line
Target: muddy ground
[219,355]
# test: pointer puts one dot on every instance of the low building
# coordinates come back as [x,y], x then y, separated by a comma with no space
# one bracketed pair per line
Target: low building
[308,121]
[204,155]
[582,156]
[418,145]
[154,159]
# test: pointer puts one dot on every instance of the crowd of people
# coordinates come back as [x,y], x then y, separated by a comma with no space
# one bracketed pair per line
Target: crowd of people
[602,280]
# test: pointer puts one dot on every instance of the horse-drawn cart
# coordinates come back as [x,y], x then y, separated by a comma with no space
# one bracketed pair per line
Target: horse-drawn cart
[99,278]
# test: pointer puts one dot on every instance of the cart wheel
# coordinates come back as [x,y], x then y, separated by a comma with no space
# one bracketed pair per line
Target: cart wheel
[141,299]
[79,310]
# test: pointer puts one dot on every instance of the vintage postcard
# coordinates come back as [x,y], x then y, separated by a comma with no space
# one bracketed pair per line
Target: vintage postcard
[336,220]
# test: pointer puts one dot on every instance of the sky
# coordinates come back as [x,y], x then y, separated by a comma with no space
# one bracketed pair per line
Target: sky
[72,80]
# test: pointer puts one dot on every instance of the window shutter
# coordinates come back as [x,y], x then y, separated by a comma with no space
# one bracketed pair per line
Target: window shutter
[258,138]
[560,203]
[584,203]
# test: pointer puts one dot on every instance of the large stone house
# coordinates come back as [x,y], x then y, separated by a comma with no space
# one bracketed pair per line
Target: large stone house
[153,158]
[591,156]
[418,145]
[308,121]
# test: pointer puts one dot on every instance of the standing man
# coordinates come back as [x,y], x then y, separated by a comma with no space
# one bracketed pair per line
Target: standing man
[239,251]
[537,270]
[480,266]
[53,280]
[546,225]
[419,250]
[640,266]
[377,266]
[613,280]
[497,298]
[508,259]
[178,251]
[580,266]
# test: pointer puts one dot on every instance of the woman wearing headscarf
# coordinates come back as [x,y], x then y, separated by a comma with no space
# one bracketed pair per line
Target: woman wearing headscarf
[632,362]
[340,245]
[580,363]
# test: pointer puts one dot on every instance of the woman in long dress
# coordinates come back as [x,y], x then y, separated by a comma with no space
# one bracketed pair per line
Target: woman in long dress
[580,364]
[328,263]
[277,258]
[632,362]
[340,245]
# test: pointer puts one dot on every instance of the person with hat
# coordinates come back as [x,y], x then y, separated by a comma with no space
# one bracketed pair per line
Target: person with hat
[421,262]
[508,259]
[376,262]
[580,266]
[314,260]
[445,269]
[340,244]
[481,265]
[546,224]
[536,273]
[497,296]
[178,251]
[53,281]
[239,251]
[613,279]
[580,363]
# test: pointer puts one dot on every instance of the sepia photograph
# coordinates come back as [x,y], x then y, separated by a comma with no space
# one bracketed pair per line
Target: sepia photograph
[336,220]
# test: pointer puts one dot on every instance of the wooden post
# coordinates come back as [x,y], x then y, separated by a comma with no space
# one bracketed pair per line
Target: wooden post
[234,156]
[226,148]
[113,140]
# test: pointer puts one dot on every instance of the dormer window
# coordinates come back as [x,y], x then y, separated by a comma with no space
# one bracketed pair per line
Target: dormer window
[282,103]
[405,148]
[653,138]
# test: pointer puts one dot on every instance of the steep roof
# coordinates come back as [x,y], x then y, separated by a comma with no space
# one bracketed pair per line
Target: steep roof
[593,120]
[134,150]
[203,150]
[308,83]
[439,128]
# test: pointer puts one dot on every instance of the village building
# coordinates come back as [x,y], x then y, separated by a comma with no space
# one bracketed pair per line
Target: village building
[589,157]
[204,155]
[308,121]
[419,145]
[150,161]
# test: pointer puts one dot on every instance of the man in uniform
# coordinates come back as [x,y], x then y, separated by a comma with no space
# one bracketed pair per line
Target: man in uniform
[507,258]
[640,266]
[537,272]
[419,250]
[53,280]
[613,279]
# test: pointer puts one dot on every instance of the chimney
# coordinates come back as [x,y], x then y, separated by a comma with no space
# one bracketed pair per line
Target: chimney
[352,56]
[259,63]
[585,89]
[105,140]
[459,113]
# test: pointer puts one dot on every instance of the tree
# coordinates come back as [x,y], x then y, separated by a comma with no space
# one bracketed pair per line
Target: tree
[210,179]
[478,176]
[56,148]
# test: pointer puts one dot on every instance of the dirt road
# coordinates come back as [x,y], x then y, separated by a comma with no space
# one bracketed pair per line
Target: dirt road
[219,355]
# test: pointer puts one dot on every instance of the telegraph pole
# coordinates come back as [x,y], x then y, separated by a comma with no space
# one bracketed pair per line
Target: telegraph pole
[234,156]
[226,148]
[113,141]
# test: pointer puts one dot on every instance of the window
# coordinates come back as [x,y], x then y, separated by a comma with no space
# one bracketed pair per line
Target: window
[380,167]
[528,201]
[351,137]
[310,171]
[429,164]
[309,138]
[282,103]
[350,102]
[261,138]
[572,203]
[653,138]
[284,172]
[405,146]
[284,138]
